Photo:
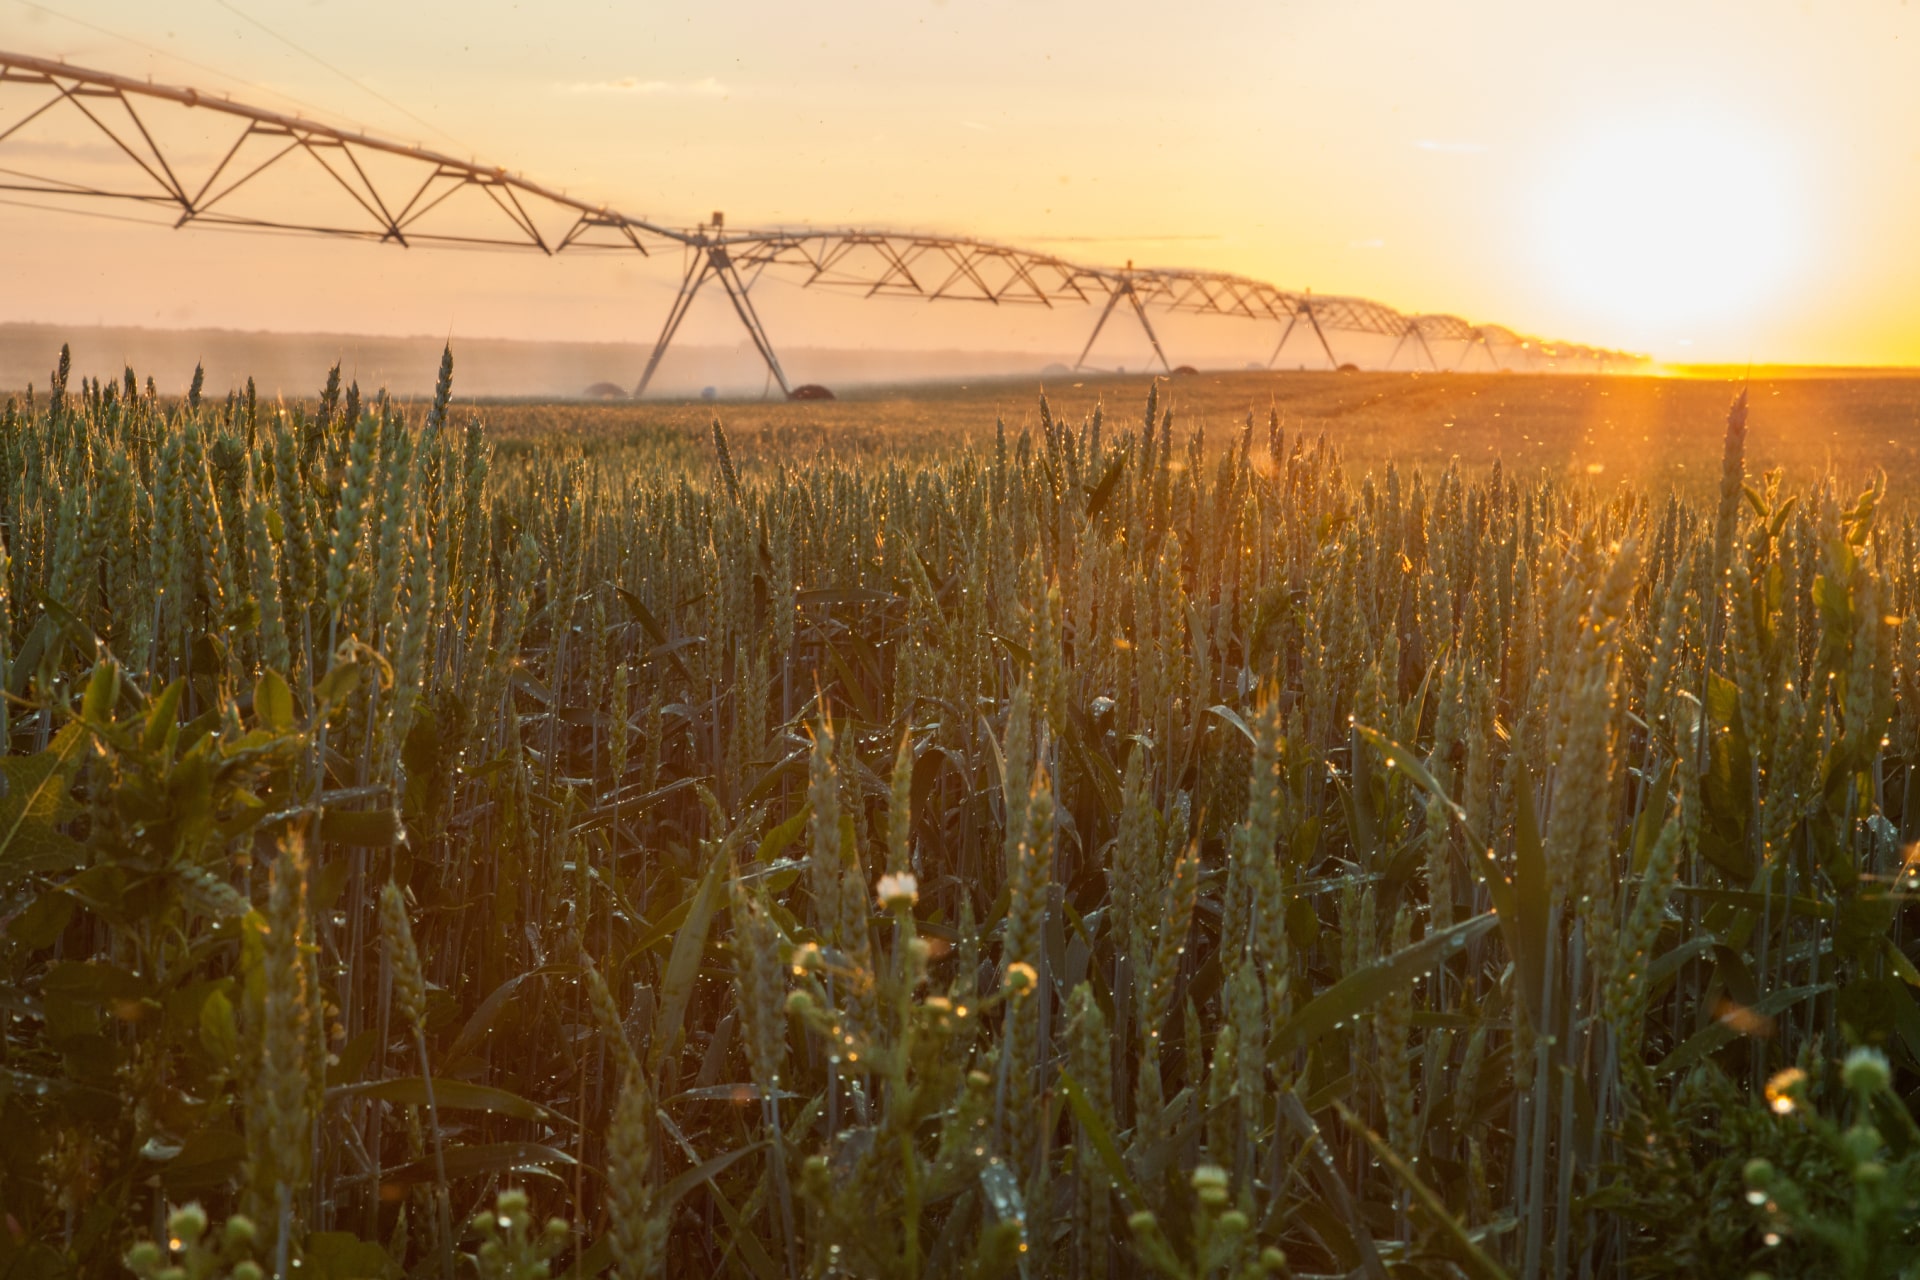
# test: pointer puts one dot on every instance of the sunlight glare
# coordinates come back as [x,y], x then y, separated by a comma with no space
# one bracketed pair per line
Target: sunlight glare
[1670,221]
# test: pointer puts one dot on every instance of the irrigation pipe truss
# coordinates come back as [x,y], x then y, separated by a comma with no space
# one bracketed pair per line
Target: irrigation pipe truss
[276,172]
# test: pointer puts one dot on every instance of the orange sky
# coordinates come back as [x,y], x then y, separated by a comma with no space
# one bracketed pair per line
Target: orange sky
[1701,181]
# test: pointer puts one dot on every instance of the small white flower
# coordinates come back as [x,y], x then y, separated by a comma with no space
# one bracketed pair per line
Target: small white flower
[897,892]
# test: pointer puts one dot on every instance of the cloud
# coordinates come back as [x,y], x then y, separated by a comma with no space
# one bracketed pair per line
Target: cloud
[1454,148]
[79,152]
[704,88]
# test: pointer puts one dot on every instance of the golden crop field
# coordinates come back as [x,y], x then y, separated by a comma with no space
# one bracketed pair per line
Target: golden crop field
[1220,827]
[1651,432]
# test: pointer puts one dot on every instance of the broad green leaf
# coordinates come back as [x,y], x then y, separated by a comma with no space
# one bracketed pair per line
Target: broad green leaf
[596,1261]
[1723,1031]
[341,679]
[219,1032]
[1469,1254]
[1232,717]
[457,1095]
[683,966]
[1902,967]
[341,1255]
[34,801]
[273,702]
[1778,904]
[481,1160]
[775,842]
[370,828]
[1360,990]
[44,920]
[481,1020]
[163,717]
[705,1171]
[103,691]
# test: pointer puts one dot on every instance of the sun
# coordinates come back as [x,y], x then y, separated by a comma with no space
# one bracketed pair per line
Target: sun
[1669,222]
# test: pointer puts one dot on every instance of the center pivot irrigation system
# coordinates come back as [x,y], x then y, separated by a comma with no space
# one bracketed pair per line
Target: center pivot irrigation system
[147,145]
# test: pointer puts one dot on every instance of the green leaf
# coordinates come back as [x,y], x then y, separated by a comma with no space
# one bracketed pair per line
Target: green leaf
[273,702]
[1722,1030]
[597,1260]
[219,1032]
[654,630]
[775,842]
[482,1018]
[1102,1139]
[1104,490]
[683,966]
[1362,989]
[742,1236]
[1533,904]
[1400,758]
[26,661]
[705,1171]
[1902,967]
[370,828]
[44,920]
[480,1160]
[34,800]
[341,1255]
[1779,904]
[1469,1254]
[103,691]
[163,717]
[1232,717]
[1507,904]
[341,680]
[456,1095]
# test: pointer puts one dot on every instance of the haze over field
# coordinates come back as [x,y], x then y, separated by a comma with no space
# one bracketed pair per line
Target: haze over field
[1715,182]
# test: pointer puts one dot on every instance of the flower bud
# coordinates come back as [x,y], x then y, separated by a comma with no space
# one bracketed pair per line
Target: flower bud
[1866,1071]
[188,1223]
[1863,1141]
[816,1179]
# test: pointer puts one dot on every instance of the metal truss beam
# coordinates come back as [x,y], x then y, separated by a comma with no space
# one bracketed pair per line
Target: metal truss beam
[393,193]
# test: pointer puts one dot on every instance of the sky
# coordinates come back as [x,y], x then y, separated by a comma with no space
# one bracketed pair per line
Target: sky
[1696,180]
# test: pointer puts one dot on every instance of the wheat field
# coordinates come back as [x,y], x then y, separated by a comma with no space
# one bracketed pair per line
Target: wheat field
[1086,847]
